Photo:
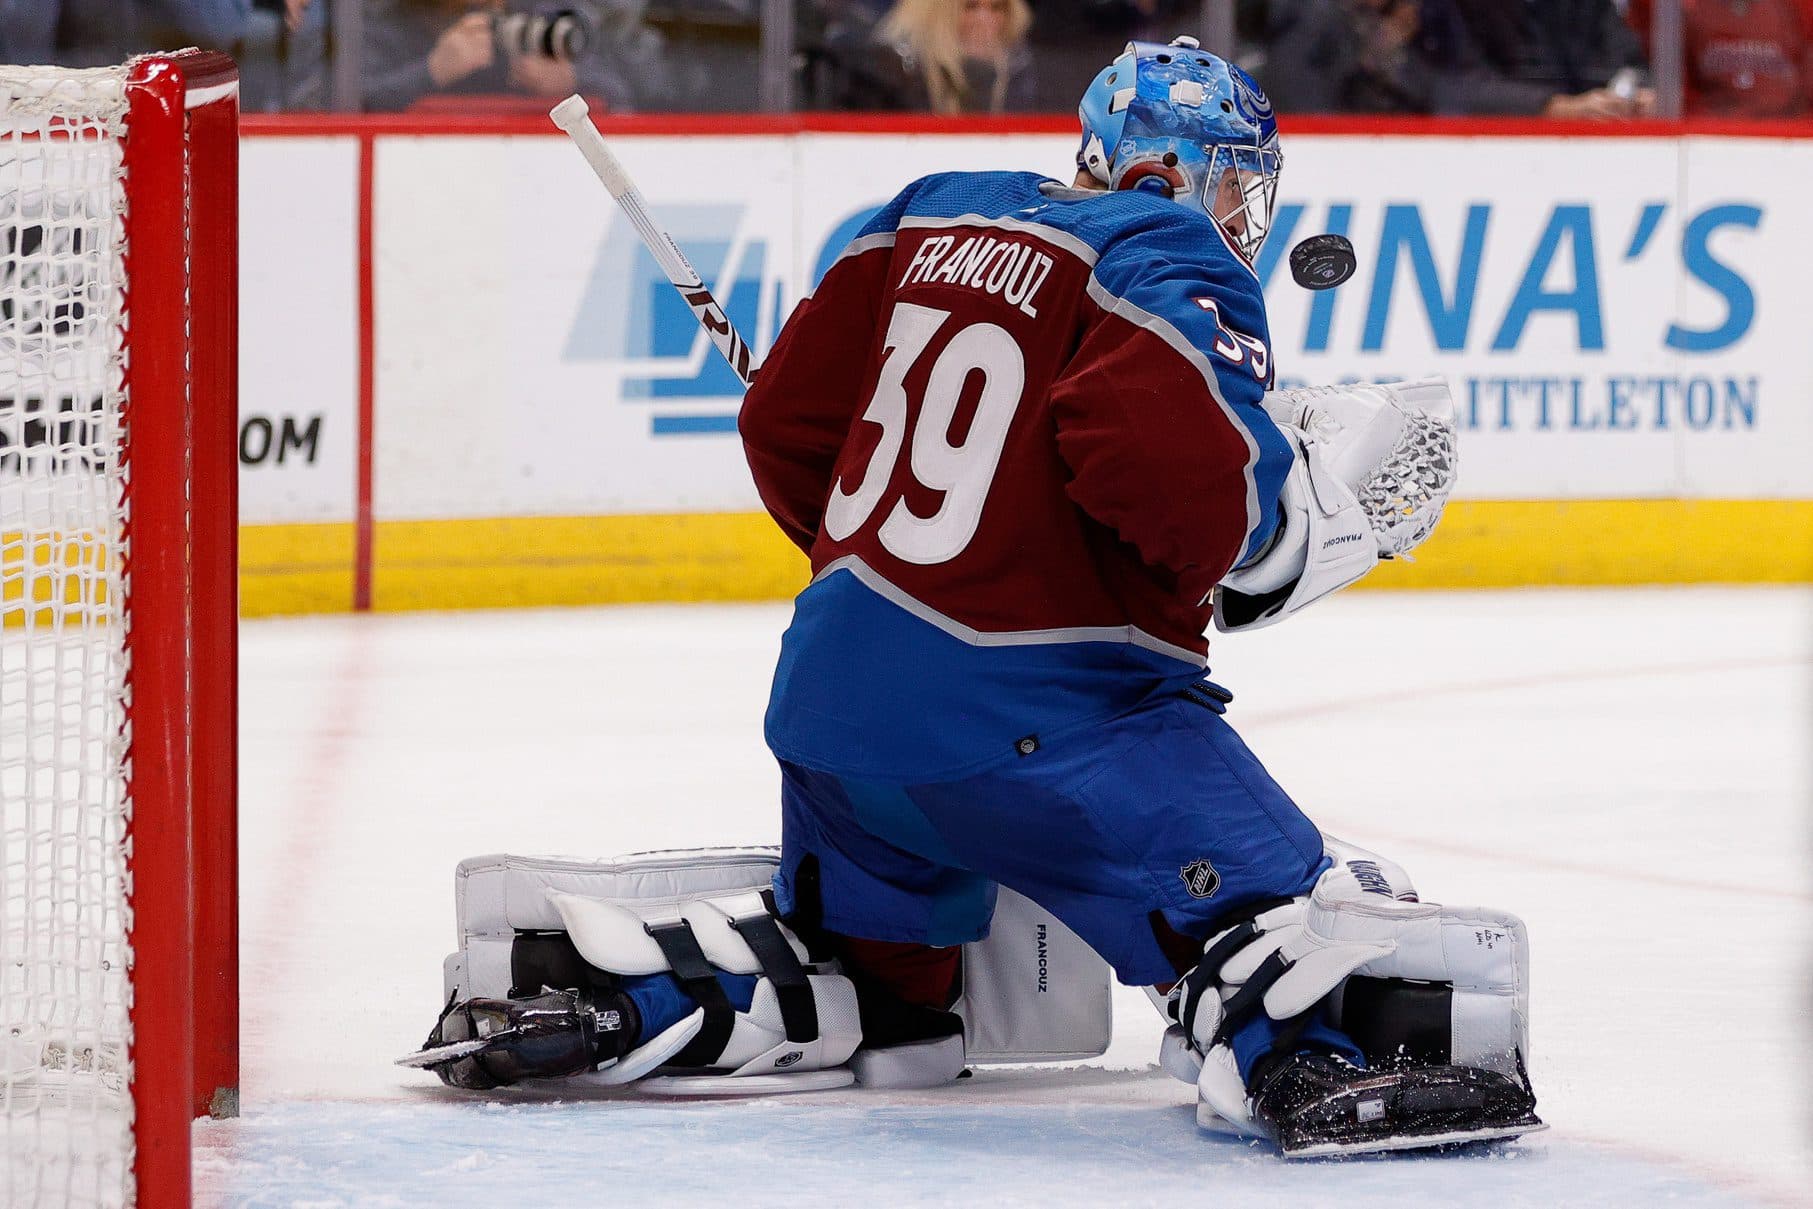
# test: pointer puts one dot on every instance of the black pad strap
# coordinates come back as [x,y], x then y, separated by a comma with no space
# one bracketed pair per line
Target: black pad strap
[1205,979]
[1236,939]
[687,960]
[1247,999]
[781,964]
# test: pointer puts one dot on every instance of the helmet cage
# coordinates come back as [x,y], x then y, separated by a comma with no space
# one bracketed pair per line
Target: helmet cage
[1244,210]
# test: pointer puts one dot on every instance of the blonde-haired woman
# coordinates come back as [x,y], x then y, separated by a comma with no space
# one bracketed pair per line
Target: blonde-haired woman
[969,56]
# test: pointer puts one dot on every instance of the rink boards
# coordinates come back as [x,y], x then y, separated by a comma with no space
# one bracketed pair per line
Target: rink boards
[464,384]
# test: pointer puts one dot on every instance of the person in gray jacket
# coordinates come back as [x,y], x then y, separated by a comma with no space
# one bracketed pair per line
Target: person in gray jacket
[417,47]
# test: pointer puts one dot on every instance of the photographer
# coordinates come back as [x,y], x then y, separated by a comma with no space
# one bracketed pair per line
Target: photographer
[415,48]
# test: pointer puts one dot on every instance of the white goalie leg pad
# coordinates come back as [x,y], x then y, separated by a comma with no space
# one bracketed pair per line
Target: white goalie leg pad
[1483,955]
[1361,919]
[1033,991]
[1324,542]
[798,1021]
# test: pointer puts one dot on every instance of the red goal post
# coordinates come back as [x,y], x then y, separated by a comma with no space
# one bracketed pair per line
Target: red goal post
[118,616]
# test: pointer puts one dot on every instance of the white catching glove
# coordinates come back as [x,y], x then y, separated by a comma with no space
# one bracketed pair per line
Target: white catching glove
[1392,444]
[1374,466]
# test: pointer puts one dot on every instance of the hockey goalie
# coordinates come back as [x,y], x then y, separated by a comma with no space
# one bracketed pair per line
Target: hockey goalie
[1025,433]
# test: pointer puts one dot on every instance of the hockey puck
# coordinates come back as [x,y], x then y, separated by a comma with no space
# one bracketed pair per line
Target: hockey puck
[1323,262]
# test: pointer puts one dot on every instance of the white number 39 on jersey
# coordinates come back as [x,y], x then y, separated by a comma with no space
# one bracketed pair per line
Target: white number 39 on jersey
[963,472]
[1238,348]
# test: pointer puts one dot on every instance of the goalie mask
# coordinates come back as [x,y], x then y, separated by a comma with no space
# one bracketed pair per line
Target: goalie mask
[1183,123]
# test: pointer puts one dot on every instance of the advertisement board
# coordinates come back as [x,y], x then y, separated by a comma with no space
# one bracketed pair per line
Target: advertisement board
[298,329]
[1616,316]
[1608,312]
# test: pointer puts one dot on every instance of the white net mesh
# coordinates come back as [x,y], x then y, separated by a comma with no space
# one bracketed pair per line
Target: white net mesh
[65,1117]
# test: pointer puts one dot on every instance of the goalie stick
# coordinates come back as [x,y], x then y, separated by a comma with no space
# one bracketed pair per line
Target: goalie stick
[573,116]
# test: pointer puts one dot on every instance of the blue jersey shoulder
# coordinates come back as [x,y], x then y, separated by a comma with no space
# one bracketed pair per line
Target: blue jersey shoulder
[1159,261]
[955,194]
[1147,238]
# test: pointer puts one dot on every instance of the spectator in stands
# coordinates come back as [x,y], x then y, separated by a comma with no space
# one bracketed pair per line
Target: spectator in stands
[835,40]
[1071,39]
[1123,20]
[28,31]
[946,56]
[418,48]
[1556,58]
[285,64]
[1743,58]
[1352,56]
[89,33]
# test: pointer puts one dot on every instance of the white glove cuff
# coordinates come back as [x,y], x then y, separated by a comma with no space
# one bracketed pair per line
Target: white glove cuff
[1325,543]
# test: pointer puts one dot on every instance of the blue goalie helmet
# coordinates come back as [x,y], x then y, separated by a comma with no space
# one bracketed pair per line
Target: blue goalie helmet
[1183,123]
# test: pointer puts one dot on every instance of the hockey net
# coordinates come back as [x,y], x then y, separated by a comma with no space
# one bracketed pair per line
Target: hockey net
[117,983]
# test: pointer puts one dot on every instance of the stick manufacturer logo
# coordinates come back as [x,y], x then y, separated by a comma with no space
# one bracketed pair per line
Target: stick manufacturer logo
[1200,879]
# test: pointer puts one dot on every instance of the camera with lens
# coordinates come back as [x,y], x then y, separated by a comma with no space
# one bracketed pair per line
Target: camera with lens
[563,35]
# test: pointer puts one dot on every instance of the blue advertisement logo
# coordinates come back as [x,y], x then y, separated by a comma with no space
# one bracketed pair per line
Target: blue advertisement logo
[1570,247]
[633,317]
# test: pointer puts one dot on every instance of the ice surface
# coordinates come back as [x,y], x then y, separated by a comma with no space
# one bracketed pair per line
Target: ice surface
[1627,769]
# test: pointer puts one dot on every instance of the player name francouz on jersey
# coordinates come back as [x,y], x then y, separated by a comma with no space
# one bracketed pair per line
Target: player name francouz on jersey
[995,266]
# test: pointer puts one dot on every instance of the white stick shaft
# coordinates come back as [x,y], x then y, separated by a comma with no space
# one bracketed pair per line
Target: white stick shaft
[572,116]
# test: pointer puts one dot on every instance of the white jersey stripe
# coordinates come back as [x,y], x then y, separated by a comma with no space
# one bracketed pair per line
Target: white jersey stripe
[894,594]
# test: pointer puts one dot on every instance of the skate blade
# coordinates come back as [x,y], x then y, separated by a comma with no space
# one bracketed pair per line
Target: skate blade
[1499,1133]
[423,1059]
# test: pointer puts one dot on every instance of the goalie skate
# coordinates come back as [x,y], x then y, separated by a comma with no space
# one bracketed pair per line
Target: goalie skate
[1316,1106]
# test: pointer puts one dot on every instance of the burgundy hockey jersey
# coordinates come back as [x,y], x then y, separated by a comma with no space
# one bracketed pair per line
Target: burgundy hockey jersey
[1017,430]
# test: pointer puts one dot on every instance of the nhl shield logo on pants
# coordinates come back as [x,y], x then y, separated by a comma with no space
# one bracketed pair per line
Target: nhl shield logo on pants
[1200,878]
